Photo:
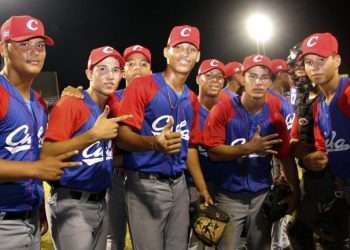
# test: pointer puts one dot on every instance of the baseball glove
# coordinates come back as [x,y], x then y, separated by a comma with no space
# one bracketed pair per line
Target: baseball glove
[208,223]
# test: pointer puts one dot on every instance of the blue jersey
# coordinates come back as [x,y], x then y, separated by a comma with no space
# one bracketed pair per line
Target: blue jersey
[22,127]
[152,102]
[71,117]
[332,128]
[229,123]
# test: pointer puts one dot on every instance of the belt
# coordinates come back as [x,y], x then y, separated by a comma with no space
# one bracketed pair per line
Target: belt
[16,215]
[160,176]
[94,197]
[77,195]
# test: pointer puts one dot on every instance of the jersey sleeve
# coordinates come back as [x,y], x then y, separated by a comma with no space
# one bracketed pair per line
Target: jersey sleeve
[196,135]
[4,102]
[214,132]
[283,149]
[136,96]
[66,117]
[294,133]
[113,104]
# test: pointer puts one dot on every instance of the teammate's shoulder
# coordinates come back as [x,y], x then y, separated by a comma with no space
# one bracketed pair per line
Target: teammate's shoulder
[41,100]
[70,101]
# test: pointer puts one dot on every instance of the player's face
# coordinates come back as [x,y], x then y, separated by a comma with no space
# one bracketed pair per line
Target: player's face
[182,57]
[256,81]
[321,69]
[211,82]
[135,66]
[25,57]
[105,76]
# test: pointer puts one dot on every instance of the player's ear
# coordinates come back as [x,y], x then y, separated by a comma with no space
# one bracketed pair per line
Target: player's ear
[337,60]
[88,73]
[166,51]
[198,57]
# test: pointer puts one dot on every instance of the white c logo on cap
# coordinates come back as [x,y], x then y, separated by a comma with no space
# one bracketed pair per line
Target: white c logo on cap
[107,50]
[312,41]
[32,24]
[258,58]
[136,47]
[214,63]
[279,67]
[185,32]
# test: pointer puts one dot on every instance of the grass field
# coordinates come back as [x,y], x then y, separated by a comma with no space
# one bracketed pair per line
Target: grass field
[46,241]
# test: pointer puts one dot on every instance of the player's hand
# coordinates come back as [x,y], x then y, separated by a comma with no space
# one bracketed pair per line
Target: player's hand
[51,168]
[263,144]
[71,91]
[168,141]
[205,198]
[107,128]
[315,161]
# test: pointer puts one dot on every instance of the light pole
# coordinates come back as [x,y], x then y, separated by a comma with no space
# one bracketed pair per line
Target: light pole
[259,27]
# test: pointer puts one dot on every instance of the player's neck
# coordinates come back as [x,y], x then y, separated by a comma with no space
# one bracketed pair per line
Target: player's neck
[174,79]
[207,101]
[98,98]
[251,104]
[233,86]
[328,89]
[21,82]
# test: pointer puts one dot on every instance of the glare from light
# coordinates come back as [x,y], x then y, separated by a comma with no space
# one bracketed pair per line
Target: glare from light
[259,27]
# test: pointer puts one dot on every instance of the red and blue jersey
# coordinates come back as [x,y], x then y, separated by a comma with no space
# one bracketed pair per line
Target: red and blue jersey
[22,127]
[229,123]
[332,128]
[152,102]
[71,117]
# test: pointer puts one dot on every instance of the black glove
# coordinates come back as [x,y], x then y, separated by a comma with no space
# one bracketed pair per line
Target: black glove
[275,205]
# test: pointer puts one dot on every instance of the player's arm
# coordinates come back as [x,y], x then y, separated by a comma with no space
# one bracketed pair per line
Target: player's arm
[167,141]
[49,168]
[195,170]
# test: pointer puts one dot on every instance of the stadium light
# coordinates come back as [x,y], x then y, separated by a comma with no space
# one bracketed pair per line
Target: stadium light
[260,28]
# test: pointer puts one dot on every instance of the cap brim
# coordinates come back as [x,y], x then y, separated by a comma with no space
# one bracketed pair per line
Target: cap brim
[264,65]
[218,68]
[48,40]
[314,52]
[126,56]
[119,58]
[174,43]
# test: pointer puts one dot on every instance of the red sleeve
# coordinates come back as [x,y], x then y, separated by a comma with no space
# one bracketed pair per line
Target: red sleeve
[196,134]
[214,132]
[319,139]
[294,133]
[4,102]
[344,101]
[136,96]
[282,130]
[113,104]
[66,117]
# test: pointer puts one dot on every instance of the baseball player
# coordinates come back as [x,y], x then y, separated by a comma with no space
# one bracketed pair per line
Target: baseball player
[282,81]
[137,63]
[23,122]
[234,77]
[210,79]
[331,133]
[77,203]
[242,133]
[159,138]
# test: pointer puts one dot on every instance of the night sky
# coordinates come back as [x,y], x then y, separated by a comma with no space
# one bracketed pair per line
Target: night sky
[81,25]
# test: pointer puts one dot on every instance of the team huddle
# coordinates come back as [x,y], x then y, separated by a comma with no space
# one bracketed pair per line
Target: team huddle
[140,157]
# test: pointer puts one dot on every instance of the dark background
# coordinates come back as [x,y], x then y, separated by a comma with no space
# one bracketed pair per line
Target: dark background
[81,25]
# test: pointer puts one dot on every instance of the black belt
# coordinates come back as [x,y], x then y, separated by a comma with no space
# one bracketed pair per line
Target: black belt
[94,197]
[74,194]
[18,215]
[160,176]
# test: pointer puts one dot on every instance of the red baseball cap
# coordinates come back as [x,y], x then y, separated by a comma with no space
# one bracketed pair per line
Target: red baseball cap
[256,60]
[278,65]
[21,28]
[137,49]
[97,55]
[232,68]
[184,34]
[210,64]
[322,44]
